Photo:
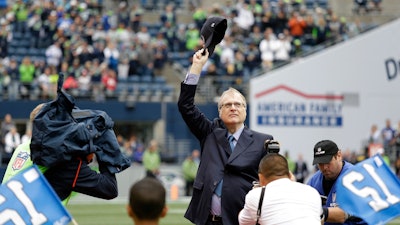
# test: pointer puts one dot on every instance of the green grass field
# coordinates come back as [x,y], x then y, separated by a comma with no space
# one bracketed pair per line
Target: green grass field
[115,214]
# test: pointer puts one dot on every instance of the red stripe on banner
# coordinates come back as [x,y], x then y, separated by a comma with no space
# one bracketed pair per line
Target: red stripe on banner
[294,91]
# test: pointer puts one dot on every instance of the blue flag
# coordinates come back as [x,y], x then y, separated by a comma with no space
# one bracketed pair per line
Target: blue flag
[28,198]
[371,191]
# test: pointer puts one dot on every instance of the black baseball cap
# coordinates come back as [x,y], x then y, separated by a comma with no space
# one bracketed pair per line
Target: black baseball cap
[324,151]
[213,31]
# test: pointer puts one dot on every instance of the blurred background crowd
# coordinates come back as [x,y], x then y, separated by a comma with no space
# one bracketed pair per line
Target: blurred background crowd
[105,47]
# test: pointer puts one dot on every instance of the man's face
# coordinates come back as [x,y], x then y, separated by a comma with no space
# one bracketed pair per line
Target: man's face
[332,169]
[232,110]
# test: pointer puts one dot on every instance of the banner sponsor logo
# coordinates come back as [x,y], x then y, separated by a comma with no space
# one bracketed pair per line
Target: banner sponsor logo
[285,106]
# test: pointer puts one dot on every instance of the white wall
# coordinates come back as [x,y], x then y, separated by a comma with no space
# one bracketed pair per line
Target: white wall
[363,74]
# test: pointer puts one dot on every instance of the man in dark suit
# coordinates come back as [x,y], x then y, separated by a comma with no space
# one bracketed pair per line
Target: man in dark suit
[227,167]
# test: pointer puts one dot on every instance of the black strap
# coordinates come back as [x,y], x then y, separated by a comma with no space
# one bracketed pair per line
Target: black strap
[260,204]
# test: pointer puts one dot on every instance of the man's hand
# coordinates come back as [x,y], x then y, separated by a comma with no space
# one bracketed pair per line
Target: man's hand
[198,61]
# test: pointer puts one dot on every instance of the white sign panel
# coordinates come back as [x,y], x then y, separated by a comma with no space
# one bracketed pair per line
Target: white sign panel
[335,94]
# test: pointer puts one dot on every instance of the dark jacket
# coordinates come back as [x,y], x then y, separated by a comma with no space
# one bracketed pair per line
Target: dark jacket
[61,132]
[238,169]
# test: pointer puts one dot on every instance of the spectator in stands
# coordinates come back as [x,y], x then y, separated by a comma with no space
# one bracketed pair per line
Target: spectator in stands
[136,13]
[39,64]
[227,57]
[43,81]
[211,70]
[143,36]
[111,55]
[168,32]
[49,26]
[76,68]
[98,50]
[252,59]
[239,62]
[244,19]
[308,39]
[282,49]
[21,12]
[53,80]
[255,36]
[99,34]
[84,83]
[84,52]
[4,33]
[168,15]
[123,35]
[199,17]
[146,59]
[321,31]
[180,38]
[334,29]
[4,81]
[13,73]
[267,49]
[123,14]
[281,22]
[296,25]
[133,60]
[192,37]
[344,29]
[35,25]
[123,69]
[54,54]
[160,46]
[71,23]
[109,81]
[26,76]
[97,86]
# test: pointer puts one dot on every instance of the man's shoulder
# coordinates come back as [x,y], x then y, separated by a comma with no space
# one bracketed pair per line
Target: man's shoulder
[317,176]
[259,134]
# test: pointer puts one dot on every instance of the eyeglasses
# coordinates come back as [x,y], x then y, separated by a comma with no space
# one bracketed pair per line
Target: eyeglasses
[230,104]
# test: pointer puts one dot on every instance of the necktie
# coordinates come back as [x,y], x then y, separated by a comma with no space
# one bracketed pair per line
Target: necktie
[218,189]
[231,140]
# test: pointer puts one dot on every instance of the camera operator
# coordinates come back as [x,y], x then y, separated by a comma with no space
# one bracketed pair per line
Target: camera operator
[280,203]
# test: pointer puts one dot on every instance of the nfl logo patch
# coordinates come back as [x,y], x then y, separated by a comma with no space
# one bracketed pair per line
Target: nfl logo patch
[20,160]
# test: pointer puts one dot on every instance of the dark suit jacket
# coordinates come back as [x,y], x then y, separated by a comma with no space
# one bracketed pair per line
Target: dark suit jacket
[238,169]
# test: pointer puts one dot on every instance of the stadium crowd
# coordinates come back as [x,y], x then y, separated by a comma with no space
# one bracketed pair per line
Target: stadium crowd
[99,48]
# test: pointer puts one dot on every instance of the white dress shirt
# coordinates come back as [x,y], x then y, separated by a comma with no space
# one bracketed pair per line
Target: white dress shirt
[285,202]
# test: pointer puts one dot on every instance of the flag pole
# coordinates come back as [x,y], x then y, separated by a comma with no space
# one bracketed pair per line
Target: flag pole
[74,222]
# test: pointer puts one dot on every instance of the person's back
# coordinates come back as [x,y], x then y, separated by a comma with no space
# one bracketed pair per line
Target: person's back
[284,201]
